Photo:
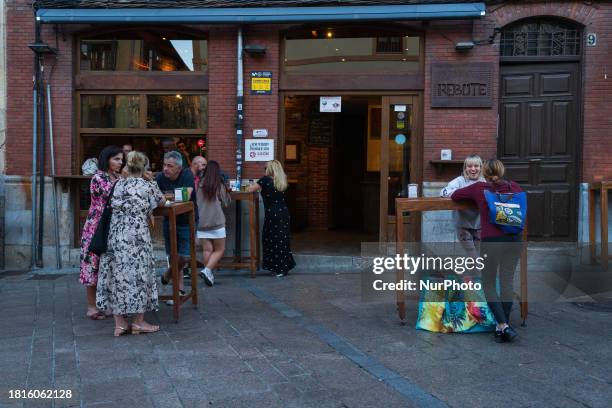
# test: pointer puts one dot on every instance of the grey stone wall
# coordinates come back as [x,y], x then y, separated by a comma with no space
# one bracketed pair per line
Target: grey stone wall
[583,216]
[437,226]
[18,223]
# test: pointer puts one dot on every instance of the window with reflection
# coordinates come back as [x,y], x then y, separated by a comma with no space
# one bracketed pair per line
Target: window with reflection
[110,111]
[143,50]
[342,50]
[173,111]
[176,111]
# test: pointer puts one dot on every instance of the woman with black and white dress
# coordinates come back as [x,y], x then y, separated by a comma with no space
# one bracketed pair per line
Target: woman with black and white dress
[277,256]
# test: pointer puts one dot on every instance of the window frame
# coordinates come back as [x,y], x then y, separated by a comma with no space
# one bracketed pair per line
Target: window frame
[354,81]
[98,35]
[540,57]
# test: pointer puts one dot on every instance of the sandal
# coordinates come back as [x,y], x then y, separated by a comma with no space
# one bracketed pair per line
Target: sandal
[98,315]
[137,329]
[120,331]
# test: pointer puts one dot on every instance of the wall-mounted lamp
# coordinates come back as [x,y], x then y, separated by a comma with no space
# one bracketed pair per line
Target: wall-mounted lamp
[255,49]
[42,48]
[464,45]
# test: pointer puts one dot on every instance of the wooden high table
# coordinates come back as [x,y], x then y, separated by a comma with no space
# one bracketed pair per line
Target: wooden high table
[603,187]
[252,261]
[440,204]
[171,211]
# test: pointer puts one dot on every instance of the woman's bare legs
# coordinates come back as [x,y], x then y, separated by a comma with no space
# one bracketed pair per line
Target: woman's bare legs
[92,310]
[218,246]
[207,250]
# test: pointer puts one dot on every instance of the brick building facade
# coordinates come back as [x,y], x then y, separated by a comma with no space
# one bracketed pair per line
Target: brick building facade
[464,130]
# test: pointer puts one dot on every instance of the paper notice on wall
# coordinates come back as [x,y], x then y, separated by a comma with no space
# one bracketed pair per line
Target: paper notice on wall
[330,104]
[259,149]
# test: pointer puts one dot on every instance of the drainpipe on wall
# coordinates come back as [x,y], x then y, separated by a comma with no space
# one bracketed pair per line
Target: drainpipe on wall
[34,151]
[3,100]
[239,139]
[41,157]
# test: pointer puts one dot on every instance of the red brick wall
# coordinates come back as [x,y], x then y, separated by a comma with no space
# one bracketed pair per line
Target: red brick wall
[312,171]
[318,189]
[20,32]
[465,131]
[261,111]
[221,142]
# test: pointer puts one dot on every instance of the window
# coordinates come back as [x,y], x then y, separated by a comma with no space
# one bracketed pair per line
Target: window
[163,111]
[343,51]
[176,111]
[540,38]
[143,50]
[110,111]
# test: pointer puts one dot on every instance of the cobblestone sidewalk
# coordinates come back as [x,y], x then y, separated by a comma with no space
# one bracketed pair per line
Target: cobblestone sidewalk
[302,341]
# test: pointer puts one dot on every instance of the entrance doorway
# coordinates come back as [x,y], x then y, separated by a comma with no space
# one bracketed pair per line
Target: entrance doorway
[540,121]
[346,168]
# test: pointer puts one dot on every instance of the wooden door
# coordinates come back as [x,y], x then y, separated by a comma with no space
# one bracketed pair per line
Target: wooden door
[399,161]
[538,142]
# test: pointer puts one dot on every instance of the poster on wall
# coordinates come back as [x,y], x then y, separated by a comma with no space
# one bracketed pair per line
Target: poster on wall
[261,83]
[259,150]
[330,104]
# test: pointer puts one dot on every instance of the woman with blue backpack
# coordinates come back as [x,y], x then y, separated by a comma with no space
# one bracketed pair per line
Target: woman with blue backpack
[503,211]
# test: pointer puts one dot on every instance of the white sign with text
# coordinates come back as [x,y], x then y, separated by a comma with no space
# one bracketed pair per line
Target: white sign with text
[330,104]
[259,149]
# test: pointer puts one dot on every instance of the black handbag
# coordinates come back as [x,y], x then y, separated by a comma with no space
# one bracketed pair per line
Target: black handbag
[99,241]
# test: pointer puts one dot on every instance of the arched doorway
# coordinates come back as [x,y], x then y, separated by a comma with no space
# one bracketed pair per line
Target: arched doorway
[540,120]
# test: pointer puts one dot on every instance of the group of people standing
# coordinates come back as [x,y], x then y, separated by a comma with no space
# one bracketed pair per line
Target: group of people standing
[479,235]
[122,282]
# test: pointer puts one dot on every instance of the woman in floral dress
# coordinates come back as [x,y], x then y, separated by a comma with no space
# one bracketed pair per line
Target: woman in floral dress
[109,166]
[126,281]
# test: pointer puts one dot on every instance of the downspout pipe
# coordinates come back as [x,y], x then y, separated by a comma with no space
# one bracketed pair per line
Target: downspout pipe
[34,161]
[52,152]
[239,137]
[41,154]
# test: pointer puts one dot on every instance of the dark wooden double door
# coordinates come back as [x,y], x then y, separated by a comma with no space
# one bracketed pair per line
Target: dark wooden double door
[538,142]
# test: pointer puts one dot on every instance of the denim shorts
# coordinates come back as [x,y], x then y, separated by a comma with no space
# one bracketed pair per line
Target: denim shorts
[182,239]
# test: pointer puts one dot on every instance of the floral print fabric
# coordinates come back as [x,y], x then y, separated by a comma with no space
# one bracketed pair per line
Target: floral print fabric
[454,311]
[126,281]
[99,188]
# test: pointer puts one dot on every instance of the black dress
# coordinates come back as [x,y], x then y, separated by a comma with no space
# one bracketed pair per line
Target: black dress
[277,256]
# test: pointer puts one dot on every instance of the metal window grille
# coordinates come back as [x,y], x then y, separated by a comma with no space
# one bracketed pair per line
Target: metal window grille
[540,38]
[389,44]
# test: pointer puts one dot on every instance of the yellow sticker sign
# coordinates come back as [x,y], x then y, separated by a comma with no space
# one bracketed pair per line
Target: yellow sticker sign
[261,83]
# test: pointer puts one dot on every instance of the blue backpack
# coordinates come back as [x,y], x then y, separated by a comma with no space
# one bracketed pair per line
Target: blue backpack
[507,210]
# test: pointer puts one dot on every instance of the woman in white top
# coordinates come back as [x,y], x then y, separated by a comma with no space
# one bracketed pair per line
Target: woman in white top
[467,222]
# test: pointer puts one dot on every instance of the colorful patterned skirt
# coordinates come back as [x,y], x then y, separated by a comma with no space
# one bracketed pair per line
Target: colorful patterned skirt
[454,311]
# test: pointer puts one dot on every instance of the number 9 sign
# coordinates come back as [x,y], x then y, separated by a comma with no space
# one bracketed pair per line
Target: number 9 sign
[591,39]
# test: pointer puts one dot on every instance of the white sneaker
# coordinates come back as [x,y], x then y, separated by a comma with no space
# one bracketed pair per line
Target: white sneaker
[208,277]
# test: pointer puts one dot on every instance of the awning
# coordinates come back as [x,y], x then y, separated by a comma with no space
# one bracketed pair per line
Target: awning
[263,14]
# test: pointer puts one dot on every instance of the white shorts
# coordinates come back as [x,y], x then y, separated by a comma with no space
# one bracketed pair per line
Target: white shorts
[214,234]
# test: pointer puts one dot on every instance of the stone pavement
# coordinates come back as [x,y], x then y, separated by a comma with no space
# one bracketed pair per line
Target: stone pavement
[307,340]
